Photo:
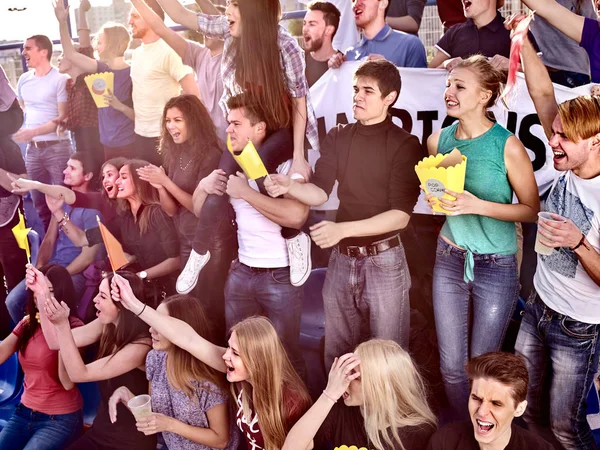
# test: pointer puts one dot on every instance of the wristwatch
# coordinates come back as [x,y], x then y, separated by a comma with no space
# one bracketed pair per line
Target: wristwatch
[143,274]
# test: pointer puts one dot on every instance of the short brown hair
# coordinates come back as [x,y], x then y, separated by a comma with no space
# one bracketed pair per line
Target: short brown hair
[384,73]
[580,117]
[506,368]
[252,110]
[331,15]
[43,43]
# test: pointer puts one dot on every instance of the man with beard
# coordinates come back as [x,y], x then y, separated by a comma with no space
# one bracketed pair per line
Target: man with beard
[158,74]
[320,25]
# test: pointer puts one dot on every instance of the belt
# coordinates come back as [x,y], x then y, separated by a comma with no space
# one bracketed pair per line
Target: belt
[355,251]
[45,144]
[262,269]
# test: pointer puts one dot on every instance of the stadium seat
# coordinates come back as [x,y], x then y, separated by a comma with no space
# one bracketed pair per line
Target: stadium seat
[312,325]
[34,244]
[91,400]
[11,388]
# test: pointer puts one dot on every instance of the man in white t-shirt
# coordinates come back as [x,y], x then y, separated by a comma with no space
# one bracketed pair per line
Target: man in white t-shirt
[560,329]
[259,280]
[158,74]
[42,93]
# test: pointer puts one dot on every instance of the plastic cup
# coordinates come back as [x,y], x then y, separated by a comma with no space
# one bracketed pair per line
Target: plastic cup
[546,217]
[140,406]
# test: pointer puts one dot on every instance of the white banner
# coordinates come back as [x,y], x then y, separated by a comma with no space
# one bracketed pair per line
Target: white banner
[421,110]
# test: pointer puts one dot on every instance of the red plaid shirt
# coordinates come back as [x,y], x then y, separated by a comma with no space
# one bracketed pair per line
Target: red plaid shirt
[81,108]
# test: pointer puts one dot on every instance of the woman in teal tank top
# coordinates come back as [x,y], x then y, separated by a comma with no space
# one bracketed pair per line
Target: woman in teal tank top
[475,278]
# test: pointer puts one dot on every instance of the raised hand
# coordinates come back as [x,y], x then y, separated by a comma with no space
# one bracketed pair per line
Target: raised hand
[61,13]
[342,372]
[54,204]
[36,282]
[120,291]
[154,175]
[57,313]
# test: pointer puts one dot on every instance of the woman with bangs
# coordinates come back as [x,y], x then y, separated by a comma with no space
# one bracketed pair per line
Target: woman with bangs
[273,78]
[190,402]
[385,403]
[116,120]
[49,415]
[124,343]
[191,150]
[269,394]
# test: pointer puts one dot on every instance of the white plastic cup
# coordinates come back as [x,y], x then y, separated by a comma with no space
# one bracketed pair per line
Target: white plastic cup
[140,406]
[545,217]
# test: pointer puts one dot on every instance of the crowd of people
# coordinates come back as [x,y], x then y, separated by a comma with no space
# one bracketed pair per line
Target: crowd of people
[217,260]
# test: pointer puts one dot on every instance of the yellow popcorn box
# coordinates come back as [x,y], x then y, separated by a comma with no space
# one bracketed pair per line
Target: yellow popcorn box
[100,84]
[440,172]
[249,160]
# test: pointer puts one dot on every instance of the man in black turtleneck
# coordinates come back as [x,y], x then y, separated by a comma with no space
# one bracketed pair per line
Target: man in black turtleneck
[367,282]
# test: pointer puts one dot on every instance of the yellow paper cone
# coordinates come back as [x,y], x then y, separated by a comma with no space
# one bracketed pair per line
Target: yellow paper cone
[116,255]
[249,160]
[21,233]
[99,84]
[436,179]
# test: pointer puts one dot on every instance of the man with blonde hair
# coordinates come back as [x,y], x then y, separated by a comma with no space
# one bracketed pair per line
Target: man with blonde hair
[560,329]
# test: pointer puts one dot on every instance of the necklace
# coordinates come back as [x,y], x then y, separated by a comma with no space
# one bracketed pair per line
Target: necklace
[181,162]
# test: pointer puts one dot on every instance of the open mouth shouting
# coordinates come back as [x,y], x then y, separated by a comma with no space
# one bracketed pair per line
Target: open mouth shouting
[466,5]
[558,155]
[484,428]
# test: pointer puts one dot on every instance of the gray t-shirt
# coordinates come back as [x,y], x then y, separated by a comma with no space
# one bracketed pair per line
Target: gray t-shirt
[175,403]
[558,50]
[208,79]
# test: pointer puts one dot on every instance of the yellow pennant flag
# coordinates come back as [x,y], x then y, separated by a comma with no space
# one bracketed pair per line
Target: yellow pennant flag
[113,248]
[20,233]
[249,160]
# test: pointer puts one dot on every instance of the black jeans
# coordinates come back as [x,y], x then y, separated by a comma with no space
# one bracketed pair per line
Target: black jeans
[87,140]
[146,148]
[12,269]
[277,149]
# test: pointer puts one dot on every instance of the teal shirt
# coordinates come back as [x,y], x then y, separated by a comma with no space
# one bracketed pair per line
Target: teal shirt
[487,179]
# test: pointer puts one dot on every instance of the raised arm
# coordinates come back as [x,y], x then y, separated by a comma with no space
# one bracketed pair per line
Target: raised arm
[128,358]
[180,14]
[175,330]
[83,62]
[23,185]
[539,86]
[559,17]
[174,39]
[83,30]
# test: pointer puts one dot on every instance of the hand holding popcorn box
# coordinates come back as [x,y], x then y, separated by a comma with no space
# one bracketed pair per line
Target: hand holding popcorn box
[440,172]
[99,85]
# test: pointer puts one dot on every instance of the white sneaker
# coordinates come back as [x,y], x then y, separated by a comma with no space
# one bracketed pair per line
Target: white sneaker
[299,255]
[189,275]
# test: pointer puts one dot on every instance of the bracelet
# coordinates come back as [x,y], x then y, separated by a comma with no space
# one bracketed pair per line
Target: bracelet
[62,222]
[329,396]
[143,309]
[581,242]
[79,29]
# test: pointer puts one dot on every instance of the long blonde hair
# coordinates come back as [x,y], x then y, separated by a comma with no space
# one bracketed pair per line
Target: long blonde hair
[393,392]
[116,40]
[272,375]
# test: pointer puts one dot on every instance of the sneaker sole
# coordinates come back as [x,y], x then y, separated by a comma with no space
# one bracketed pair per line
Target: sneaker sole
[304,277]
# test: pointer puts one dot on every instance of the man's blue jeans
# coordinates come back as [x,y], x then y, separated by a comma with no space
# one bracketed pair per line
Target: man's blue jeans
[365,297]
[252,292]
[32,430]
[46,165]
[470,318]
[567,350]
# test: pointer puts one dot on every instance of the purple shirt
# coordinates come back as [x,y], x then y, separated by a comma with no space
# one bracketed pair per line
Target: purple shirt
[175,403]
[116,129]
[208,79]
[7,93]
[591,43]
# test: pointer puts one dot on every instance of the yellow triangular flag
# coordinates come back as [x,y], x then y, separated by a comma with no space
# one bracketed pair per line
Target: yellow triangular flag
[249,160]
[113,248]
[21,233]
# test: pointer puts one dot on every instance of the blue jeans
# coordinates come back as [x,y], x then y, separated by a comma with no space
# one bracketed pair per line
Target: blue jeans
[364,298]
[16,301]
[46,165]
[489,301]
[567,350]
[251,292]
[32,430]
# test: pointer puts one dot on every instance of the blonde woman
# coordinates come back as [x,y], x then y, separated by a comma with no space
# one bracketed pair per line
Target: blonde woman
[385,406]
[269,394]
[115,122]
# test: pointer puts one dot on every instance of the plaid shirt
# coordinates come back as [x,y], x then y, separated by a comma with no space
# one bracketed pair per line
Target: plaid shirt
[81,108]
[292,63]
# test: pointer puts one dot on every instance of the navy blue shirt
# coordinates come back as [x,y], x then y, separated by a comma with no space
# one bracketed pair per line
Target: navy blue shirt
[402,49]
[465,39]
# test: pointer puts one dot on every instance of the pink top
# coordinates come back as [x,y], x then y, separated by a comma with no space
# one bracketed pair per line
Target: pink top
[43,389]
